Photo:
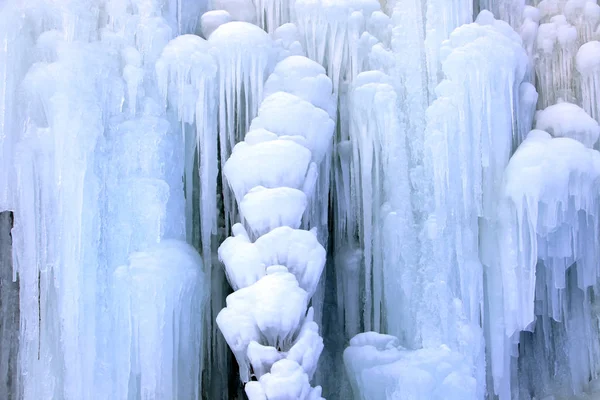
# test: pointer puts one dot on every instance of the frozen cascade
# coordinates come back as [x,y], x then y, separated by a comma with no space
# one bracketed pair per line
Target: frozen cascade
[273,266]
[370,182]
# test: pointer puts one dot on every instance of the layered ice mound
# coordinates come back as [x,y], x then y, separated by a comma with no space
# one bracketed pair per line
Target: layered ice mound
[273,265]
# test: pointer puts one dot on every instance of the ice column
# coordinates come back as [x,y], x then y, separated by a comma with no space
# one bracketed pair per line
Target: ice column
[272,264]
[382,207]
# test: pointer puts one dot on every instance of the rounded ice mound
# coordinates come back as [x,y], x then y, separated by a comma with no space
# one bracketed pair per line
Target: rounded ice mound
[288,115]
[430,373]
[266,209]
[240,10]
[297,250]
[240,35]
[270,311]
[544,169]
[588,58]
[304,78]
[568,120]
[211,20]
[270,164]
[286,381]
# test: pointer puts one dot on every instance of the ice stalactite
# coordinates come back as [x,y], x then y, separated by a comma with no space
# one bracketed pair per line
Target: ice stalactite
[334,34]
[273,265]
[245,56]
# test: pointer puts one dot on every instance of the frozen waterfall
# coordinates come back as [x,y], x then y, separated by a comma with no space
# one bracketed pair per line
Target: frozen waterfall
[299,199]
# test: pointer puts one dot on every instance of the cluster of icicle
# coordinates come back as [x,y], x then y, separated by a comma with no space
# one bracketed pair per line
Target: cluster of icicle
[430,268]
[273,265]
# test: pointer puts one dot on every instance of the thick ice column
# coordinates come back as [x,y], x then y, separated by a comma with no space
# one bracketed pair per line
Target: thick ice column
[187,79]
[274,266]
[471,128]
[381,203]
[157,342]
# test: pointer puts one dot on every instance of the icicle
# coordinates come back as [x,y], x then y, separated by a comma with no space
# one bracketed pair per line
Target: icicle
[244,55]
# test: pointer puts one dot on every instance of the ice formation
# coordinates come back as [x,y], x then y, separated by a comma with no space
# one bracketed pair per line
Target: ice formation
[299,199]
[275,271]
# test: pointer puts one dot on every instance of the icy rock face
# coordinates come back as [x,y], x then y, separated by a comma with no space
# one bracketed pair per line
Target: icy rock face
[381,369]
[9,307]
[276,267]
[158,343]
